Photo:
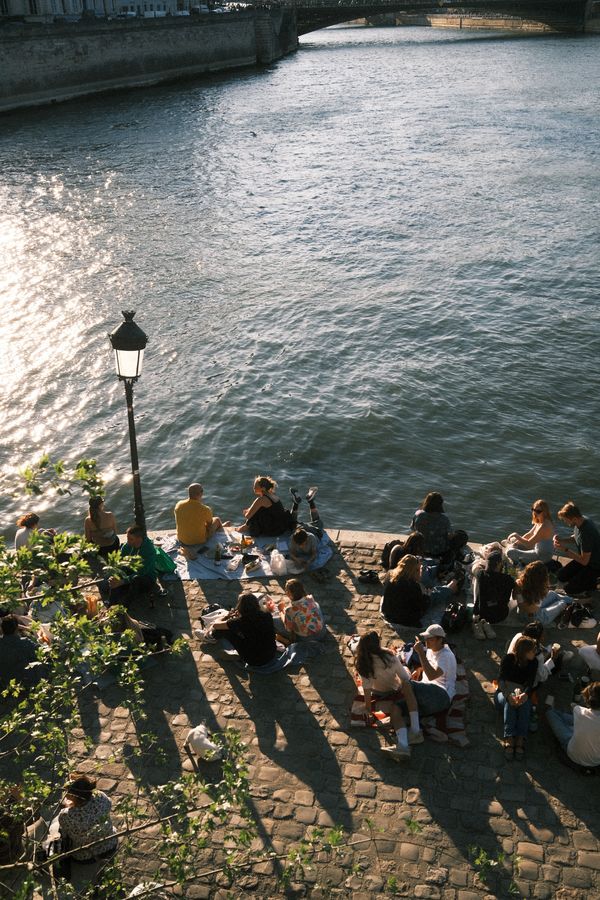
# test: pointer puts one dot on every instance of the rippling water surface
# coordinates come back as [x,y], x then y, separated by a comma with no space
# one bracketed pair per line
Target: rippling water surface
[373,267]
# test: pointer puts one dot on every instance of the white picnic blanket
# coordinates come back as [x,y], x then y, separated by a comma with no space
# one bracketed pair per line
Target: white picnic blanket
[205,567]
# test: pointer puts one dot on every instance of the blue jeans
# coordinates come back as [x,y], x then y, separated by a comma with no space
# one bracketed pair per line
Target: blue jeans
[431,698]
[441,594]
[516,718]
[561,724]
[429,573]
[551,607]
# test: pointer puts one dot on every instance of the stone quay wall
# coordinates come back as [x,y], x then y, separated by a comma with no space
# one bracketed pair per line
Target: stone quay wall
[47,63]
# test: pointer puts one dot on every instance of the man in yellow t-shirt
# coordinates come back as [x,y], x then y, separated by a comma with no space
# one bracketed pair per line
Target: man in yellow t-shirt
[195,522]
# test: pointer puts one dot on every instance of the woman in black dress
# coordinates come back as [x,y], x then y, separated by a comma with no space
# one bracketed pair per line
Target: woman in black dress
[267,516]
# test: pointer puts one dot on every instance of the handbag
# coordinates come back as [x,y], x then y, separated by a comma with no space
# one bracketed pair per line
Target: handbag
[211,614]
[164,564]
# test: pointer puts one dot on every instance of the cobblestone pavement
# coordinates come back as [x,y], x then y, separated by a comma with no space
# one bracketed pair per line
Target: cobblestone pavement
[536,821]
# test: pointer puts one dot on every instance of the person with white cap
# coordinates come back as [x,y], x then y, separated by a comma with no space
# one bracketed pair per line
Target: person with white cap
[436,689]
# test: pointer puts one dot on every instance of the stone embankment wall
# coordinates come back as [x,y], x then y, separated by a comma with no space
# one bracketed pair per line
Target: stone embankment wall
[499,23]
[47,63]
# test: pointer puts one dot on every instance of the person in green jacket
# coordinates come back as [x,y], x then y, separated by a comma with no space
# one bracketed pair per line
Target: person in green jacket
[143,580]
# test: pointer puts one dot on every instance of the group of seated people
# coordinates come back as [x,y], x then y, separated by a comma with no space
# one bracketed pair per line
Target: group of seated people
[422,684]
[259,629]
[266,516]
[430,565]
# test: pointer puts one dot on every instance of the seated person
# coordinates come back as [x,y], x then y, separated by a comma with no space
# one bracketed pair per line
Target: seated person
[383,676]
[578,732]
[591,655]
[143,581]
[535,598]
[435,691]
[267,516]
[153,636]
[195,522]
[492,588]
[550,659]
[583,571]
[518,671]
[248,630]
[100,528]
[86,818]
[403,602]
[18,656]
[304,543]
[535,543]
[302,618]
[441,542]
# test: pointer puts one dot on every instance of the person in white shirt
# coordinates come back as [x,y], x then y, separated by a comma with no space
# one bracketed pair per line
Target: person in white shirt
[436,689]
[590,653]
[578,733]
[387,681]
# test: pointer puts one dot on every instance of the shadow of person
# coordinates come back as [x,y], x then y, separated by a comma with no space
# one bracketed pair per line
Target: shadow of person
[290,736]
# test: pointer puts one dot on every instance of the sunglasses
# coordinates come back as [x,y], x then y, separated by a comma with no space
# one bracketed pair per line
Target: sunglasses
[533,509]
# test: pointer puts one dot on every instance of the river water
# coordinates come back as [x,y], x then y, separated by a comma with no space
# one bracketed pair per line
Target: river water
[371,267]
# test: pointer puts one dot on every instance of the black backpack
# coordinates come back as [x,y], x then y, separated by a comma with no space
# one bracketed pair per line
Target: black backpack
[455,616]
[386,552]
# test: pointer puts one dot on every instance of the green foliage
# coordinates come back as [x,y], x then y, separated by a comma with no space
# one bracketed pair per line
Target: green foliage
[391,885]
[62,478]
[485,864]
[413,825]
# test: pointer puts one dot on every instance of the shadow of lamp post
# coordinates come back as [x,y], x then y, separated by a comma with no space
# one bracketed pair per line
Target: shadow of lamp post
[129,341]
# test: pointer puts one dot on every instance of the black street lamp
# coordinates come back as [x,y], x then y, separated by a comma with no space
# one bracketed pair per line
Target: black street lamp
[128,341]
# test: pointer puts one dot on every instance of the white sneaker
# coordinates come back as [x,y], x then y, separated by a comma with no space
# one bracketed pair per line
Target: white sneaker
[397,753]
[204,636]
[487,629]
[415,737]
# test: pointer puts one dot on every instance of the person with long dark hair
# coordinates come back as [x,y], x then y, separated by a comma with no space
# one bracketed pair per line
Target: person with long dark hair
[100,527]
[387,681]
[536,599]
[249,630]
[518,671]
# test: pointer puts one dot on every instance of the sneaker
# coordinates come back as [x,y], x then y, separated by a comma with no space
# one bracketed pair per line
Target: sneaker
[477,628]
[487,629]
[295,495]
[397,753]
[415,737]
[311,493]
[204,636]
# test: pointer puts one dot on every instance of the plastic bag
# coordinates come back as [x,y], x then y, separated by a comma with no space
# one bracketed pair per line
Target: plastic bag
[278,563]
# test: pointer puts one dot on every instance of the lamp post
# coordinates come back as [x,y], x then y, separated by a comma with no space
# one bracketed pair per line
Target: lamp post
[128,341]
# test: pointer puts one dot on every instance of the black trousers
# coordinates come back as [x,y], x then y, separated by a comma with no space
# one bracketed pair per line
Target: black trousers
[577,578]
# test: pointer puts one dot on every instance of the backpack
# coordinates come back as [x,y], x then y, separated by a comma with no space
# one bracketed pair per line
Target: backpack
[455,616]
[575,613]
[386,552]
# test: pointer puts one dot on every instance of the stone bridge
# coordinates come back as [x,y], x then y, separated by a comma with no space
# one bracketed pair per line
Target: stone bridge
[562,15]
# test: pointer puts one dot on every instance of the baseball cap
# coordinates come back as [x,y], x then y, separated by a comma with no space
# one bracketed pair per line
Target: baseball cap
[433,631]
